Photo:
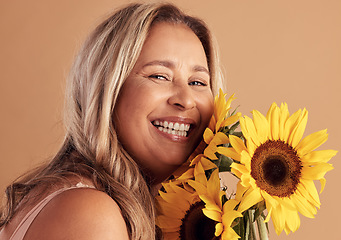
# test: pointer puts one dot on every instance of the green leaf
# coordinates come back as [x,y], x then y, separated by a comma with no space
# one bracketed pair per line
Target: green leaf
[234,127]
[225,164]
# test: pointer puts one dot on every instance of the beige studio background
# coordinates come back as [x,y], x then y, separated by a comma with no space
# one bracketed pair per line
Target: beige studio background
[272,50]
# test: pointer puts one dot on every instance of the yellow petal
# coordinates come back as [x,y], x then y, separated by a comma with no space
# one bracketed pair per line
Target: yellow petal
[323,184]
[278,216]
[239,167]
[274,123]
[167,187]
[208,135]
[240,191]
[182,192]
[210,204]
[229,217]
[269,113]
[199,169]
[214,215]
[243,127]
[172,211]
[297,134]
[199,188]
[303,206]
[252,130]
[213,187]
[284,115]
[251,146]
[286,203]
[237,143]
[312,191]
[250,198]
[318,156]
[293,220]
[212,123]
[229,152]
[174,198]
[316,172]
[246,160]
[229,234]
[196,159]
[234,118]
[210,151]
[229,101]
[220,138]
[187,175]
[230,205]
[262,126]
[219,227]
[269,200]
[311,142]
[290,124]
[164,222]
[207,164]
[199,174]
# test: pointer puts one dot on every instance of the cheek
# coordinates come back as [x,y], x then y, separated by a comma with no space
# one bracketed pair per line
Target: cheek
[206,107]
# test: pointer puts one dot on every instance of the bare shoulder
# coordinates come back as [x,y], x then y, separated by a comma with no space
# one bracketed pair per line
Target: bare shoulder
[81,213]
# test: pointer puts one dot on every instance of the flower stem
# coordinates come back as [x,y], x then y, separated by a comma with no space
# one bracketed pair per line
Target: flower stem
[262,231]
[250,227]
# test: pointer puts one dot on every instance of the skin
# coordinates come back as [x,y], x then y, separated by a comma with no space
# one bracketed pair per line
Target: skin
[79,214]
[73,214]
[171,82]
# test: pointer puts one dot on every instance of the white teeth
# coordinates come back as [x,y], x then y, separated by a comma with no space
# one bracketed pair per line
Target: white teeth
[170,125]
[179,129]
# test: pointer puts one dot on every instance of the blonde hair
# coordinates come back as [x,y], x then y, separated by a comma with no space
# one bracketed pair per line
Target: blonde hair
[91,148]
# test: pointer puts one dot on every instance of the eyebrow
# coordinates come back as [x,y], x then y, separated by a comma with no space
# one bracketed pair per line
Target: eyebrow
[170,64]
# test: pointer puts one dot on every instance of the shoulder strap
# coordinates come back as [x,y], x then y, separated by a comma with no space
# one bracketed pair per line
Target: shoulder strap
[26,222]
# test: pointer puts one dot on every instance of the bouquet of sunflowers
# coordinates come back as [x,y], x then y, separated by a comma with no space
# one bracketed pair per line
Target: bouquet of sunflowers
[274,166]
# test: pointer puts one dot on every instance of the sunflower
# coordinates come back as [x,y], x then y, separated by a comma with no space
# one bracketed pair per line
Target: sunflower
[180,214]
[277,166]
[221,116]
[210,193]
[190,206]
[213,139]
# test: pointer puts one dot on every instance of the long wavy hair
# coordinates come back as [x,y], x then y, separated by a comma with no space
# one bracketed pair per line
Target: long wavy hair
[91,148]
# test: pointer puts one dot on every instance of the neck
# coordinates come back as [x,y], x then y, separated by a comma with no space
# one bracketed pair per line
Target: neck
[155,178]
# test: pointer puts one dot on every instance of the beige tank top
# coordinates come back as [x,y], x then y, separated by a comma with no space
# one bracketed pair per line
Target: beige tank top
[26,222]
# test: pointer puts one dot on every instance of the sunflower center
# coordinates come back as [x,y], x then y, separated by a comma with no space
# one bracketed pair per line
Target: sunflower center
[196,226]
[276,168]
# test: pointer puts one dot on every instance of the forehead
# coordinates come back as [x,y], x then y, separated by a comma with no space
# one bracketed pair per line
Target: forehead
[174,40]
[177,31]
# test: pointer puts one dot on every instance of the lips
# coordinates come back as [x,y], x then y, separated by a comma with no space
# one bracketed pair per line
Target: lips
[172,127]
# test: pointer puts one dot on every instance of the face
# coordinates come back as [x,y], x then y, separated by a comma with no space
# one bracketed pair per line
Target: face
[166,102]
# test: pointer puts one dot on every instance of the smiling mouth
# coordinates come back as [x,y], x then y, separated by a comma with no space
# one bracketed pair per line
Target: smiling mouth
[174,128]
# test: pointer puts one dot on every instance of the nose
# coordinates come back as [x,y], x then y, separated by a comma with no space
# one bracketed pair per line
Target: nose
[182,97]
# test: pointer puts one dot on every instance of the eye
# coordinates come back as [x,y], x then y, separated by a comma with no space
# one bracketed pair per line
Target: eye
[158,77]
[197,83]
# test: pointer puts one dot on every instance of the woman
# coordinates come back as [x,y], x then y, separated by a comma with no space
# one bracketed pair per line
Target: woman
[139,97]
